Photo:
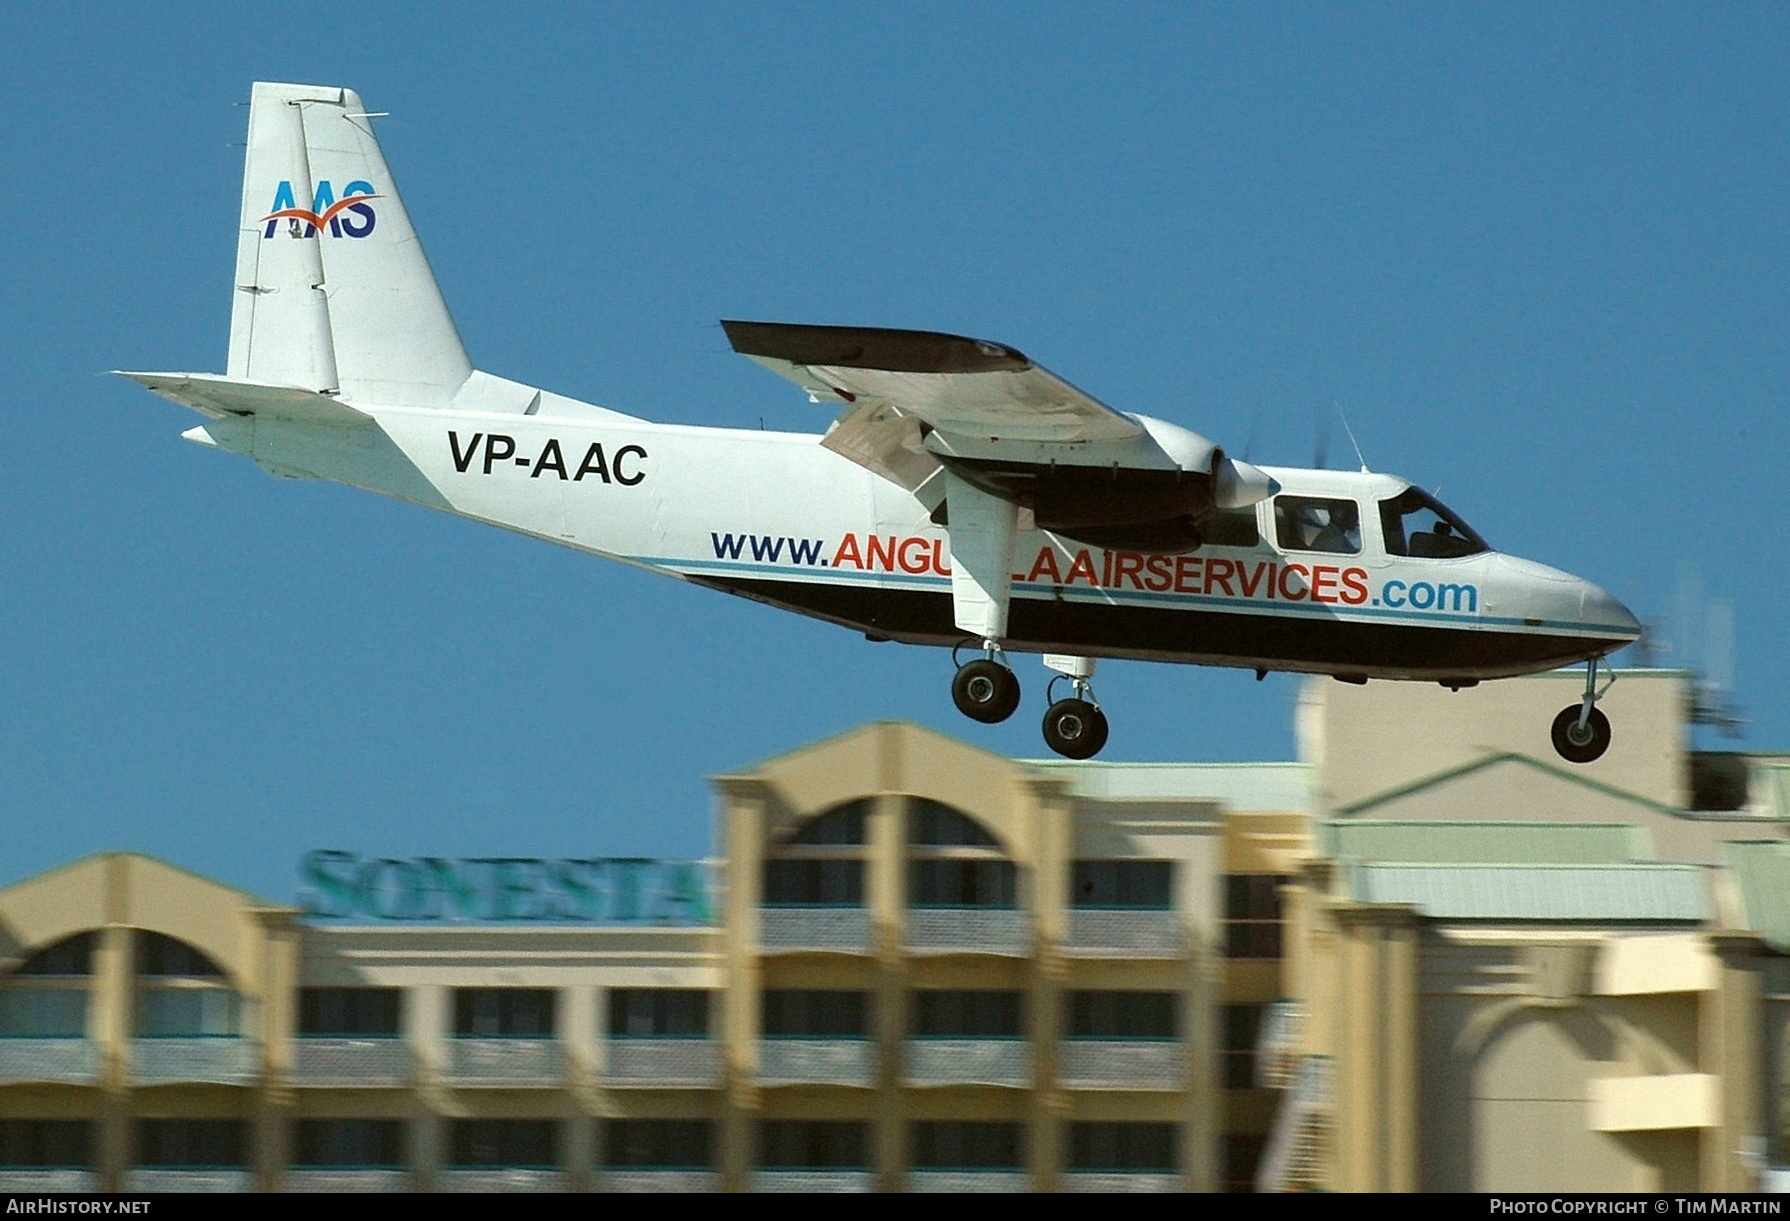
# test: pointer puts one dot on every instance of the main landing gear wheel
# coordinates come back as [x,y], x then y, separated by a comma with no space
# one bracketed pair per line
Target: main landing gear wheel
[1581,733]
[1581,743]
[985,691]
[1075,729]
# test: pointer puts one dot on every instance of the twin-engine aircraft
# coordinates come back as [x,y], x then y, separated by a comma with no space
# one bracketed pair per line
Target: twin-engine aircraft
[964,496]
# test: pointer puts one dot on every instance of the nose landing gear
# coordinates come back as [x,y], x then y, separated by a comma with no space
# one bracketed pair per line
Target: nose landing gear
[1581,732]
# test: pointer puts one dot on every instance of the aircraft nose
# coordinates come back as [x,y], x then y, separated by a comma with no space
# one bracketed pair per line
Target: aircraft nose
[1607,611]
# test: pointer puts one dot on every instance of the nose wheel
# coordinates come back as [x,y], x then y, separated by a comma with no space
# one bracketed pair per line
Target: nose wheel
[1581,732]
[986,690]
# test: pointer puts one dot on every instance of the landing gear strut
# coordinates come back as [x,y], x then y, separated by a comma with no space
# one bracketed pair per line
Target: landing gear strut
[986,690]
[1581,732]
[1075,727]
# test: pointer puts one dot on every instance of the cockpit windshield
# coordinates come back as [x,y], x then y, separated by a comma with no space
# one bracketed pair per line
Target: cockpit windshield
[1418,525]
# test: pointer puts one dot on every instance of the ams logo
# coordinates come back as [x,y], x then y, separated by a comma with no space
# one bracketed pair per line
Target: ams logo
[349,216]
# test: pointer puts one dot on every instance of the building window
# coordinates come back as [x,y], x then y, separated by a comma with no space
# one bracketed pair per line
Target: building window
[803,1014]
[967,1015]
[1242,1154]
[1133,1147]
[1242,1024]
[366,1013]
[40,1012]
[220,1144]
[659,1144]
[967,1145]
[806,882]
[1252,915]
[936,825]
[350,1142]
[950,882]
[503,1013]
[165,957]
[514,1143]
[840,826]
[659,1013]
[70,957]
[46,995]
[1146,885]
[46,1143]
[1123,1015]
[813,1144]
[181,993]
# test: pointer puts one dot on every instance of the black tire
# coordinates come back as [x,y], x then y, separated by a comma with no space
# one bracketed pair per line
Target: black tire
[1074,729]
[985,691]
[1100,731]
[1581,746]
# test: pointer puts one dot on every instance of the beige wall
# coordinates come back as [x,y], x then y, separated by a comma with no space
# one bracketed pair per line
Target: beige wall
[1367,740]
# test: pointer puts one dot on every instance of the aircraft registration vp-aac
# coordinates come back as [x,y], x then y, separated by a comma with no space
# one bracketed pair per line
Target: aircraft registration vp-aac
[963,497]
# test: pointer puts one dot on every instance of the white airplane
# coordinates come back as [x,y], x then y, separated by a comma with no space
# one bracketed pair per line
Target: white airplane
[964,496]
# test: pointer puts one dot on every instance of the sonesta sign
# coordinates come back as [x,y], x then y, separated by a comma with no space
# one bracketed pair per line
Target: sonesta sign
[584,890]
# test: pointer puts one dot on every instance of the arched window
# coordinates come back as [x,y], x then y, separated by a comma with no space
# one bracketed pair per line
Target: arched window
[937,825]
[69,957]
[842,825]
[45,997]
[953,861]
[181,992]
[821,863]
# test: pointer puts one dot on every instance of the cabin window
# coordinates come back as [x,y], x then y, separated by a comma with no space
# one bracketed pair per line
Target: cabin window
[1418,525]
[1316,523]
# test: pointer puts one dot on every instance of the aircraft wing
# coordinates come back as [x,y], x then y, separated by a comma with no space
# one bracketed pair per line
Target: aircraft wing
[964,387]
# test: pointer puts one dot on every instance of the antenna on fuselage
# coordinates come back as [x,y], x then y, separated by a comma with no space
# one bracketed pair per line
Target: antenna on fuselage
[1352,440]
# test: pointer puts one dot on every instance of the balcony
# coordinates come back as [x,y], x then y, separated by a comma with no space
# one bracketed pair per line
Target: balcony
[1003,1062]
[795,930]
[816,1062]
[1124,932]
[969,1181]
[506,1063]
[347,1180]
[669,1179]
[657,1063]
[327,1061]
[156,1180]
[1115,1182]
[969,930]
[492,1180]
[1277,1046]
[48,1180]
[1122,1064]
[814,1182]
[71,1061]
[195,1059]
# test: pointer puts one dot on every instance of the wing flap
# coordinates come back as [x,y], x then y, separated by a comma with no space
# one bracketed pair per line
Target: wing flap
[968,387]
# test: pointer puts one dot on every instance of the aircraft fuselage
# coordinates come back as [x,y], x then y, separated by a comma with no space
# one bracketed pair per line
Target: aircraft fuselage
[777,518]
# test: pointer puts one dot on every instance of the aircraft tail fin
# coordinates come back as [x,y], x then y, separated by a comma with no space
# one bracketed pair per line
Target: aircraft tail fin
[333,292]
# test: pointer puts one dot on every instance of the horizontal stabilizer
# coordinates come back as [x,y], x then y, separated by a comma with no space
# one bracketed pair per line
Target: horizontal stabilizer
[215,396]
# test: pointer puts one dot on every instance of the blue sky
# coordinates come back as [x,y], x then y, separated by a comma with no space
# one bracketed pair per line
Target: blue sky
[1537,253]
